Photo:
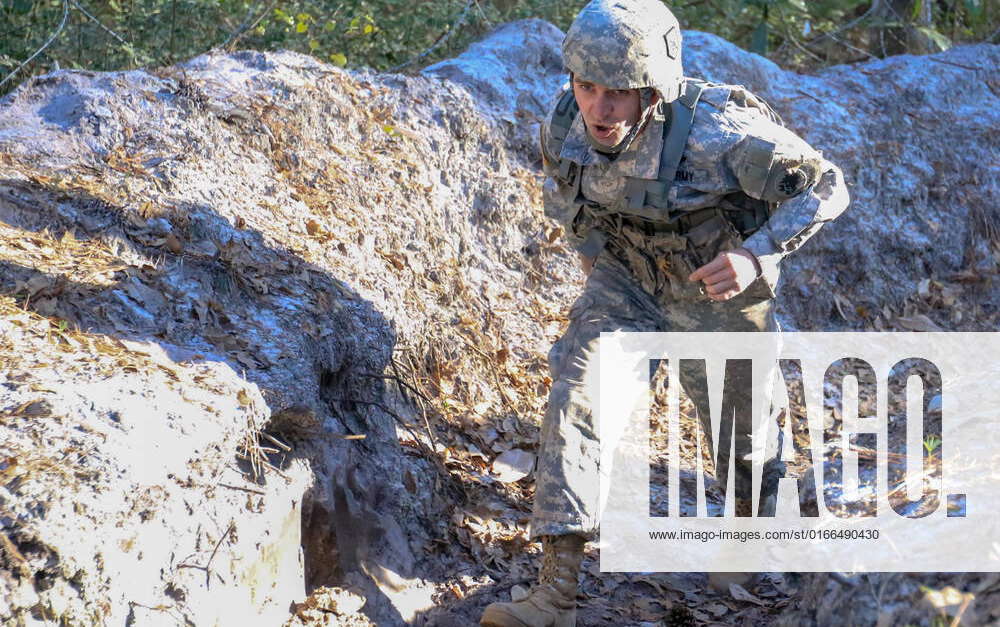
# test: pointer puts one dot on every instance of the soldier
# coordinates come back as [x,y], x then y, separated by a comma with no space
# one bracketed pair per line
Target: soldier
[682,198]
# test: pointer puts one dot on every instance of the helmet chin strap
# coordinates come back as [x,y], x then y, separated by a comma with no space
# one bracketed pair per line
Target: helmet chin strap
[645,100]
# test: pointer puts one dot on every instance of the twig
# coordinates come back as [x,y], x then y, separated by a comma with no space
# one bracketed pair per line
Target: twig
[44,46]
[990,39]
[445,36]
[421,398]
[793,39]
[246,26]
[263,463]
[855,48]
[808,95]
[236,487]
[277,442]
[832,34]
[398,379]
[493,368]
[398,418]
[207,567]
[961,611]
[964,67]
[98,22]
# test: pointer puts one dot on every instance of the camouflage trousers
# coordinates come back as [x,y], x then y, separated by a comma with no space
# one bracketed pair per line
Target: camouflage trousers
[567,481]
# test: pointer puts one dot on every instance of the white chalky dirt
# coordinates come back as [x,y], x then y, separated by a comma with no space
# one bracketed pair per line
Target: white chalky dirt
[260,234]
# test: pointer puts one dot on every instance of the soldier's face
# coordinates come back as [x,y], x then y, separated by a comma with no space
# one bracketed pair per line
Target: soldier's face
[608,113]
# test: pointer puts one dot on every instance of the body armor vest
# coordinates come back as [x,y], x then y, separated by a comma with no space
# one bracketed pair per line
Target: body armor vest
[645,201]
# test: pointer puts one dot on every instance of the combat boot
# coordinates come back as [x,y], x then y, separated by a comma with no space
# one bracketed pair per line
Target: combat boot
[552,603]
[719,582]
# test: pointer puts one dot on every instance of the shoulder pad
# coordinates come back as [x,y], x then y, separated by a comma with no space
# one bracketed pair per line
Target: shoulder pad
[775,171]
[790,175]
[560,120]
[743,97]
[716,95]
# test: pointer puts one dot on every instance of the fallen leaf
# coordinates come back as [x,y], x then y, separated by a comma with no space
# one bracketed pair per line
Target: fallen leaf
[173,244]
[38,283]
[204,248]
[843,304]
[475,452]
[950,601]
[513,465]
[518,593]
[918,322]
[924,288]
[482,408]
[717,609]
[740,594]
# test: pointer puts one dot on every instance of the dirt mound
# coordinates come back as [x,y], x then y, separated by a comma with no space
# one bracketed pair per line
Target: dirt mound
[267,326]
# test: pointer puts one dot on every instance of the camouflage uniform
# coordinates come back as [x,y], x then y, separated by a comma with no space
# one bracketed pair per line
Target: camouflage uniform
[737,157]
[700,171]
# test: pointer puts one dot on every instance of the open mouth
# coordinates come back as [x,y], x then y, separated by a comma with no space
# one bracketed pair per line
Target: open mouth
[603,131]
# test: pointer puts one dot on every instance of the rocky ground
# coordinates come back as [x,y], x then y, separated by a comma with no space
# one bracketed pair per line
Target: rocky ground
[273,335]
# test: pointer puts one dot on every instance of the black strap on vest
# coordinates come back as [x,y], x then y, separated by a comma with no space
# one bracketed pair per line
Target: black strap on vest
[674,140]
[641,193]
[681,117]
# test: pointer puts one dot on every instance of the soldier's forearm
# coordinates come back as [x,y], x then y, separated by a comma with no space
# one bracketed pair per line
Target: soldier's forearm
[798,219]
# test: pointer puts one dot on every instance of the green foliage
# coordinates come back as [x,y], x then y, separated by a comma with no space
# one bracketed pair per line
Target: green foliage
[931,443]
[385,34]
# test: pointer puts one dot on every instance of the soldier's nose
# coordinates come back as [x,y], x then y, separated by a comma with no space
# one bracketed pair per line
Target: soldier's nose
[604,108]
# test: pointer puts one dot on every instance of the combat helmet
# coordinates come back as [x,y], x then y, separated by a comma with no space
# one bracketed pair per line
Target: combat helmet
[627,44]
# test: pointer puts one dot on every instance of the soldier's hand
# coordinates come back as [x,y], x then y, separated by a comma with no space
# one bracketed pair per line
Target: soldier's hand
[728,274]
[587,263]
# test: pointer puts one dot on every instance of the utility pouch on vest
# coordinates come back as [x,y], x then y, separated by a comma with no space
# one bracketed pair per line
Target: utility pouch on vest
[746,214]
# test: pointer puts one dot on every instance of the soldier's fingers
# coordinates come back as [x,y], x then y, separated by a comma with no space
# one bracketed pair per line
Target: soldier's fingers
[726,274]
[721,287]
[725,295]
[709,268]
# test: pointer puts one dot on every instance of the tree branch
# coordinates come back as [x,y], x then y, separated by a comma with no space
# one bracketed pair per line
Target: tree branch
[44,46]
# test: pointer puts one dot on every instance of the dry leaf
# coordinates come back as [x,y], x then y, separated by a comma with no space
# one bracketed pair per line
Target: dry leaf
[740,594]
[482,408]
[518,593]
[204,248]
[475,452]
[243,398]
[513,465]
[918,322]
[173,244]
[951,602]
[843,304]
[717,609]
[924,288]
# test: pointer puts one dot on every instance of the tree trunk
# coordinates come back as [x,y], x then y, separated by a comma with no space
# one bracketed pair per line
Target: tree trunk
[899,29]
